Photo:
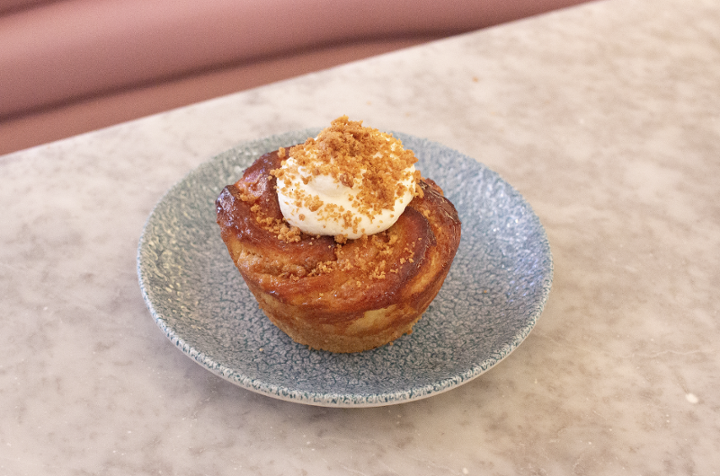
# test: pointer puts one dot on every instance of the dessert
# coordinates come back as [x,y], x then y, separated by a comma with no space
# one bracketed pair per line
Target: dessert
[339,239]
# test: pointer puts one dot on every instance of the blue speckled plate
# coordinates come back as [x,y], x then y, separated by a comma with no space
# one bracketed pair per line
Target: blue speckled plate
[491,299]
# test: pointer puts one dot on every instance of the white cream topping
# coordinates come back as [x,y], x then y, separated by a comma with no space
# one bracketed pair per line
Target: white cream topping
[335,197]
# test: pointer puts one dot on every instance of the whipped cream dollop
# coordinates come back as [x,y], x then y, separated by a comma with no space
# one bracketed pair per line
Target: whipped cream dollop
[347,182]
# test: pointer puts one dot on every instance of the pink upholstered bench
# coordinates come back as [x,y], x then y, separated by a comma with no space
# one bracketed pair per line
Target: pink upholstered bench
[72,66]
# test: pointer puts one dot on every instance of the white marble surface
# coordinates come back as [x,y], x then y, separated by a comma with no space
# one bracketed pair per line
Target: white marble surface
[605,116]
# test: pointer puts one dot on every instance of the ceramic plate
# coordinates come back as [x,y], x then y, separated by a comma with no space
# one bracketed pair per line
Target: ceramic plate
[491,299]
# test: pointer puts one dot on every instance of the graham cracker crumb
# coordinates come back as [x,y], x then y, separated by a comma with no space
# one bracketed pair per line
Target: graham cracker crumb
[277,227]
[352,154]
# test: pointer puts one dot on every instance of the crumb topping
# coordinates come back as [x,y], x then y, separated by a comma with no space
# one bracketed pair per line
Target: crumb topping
[351,153]
[373,164]
[372,255]
[276,226]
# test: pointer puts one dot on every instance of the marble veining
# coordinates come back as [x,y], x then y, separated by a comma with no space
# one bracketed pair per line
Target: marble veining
[604,117]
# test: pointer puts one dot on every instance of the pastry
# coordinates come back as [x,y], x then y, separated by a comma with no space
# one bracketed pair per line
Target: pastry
[339,239]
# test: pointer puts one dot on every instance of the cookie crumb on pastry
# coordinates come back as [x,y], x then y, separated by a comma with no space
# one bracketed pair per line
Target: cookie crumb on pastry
[352,154]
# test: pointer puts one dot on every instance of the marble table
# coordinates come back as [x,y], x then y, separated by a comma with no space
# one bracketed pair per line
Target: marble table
[606,117]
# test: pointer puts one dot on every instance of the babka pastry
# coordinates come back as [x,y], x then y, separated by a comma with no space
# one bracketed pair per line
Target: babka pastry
[339,239]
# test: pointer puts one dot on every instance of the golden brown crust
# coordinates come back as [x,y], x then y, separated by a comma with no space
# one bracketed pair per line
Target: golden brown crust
[342,297]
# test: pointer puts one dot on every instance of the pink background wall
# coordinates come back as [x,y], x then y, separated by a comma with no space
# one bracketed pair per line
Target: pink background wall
[70,66]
